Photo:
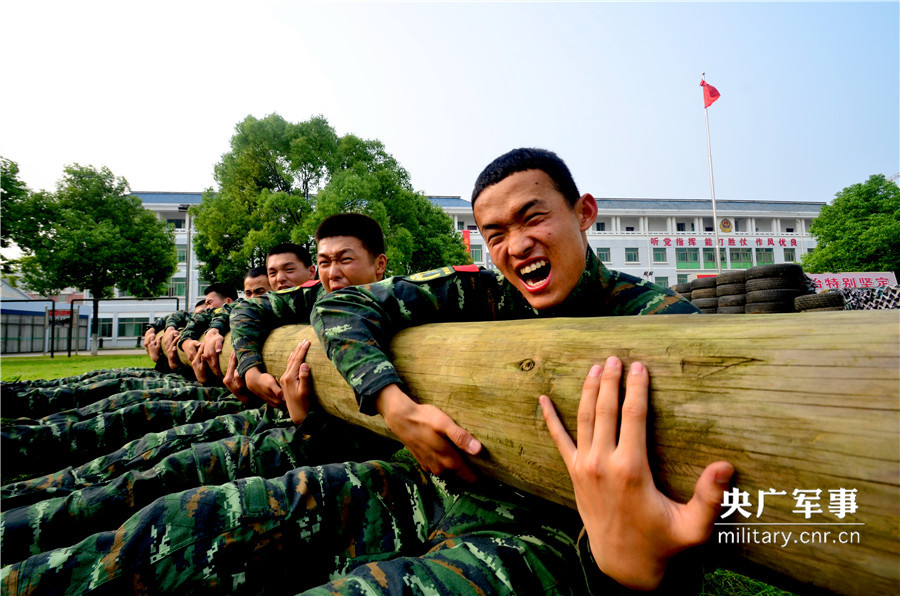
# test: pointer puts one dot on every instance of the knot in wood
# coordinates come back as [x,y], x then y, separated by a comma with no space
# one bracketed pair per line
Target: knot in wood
[526,364]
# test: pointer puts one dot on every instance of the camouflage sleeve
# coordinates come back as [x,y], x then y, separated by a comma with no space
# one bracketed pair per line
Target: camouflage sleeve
[158,325]
[252,320]
[632,295]
[355,325]
[195,327]
[177,319]
[221,317]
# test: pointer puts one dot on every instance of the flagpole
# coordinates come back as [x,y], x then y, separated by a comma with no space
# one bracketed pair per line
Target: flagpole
[712,187]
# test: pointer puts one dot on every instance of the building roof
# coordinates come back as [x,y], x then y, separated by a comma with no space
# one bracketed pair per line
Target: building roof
[705,205]
[174,198]
[445,202]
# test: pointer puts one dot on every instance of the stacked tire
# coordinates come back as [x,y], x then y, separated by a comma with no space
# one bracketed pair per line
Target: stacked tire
[774,288]
[731,292]
[703,295]
[823,301]
[683,290]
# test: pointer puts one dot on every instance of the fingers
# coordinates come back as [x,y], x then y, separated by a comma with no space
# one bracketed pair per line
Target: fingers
[587,406]
[557,431]
[461,437]
[295,359]
[704,506]
[633,435]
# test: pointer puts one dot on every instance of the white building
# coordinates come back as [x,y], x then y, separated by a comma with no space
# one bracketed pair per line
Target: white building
[663,240]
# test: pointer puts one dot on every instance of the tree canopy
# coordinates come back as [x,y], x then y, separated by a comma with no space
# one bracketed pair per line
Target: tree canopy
[13,193]
[281,179]
[859,230]
[89,234]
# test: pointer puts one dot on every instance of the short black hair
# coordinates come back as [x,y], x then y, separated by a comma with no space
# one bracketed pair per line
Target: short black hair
[357,225]
[289,247]
[257,272]
[201,302]
[525,158]
[223,289]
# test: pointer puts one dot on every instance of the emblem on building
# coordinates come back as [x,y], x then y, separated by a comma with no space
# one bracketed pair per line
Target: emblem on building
[725,225]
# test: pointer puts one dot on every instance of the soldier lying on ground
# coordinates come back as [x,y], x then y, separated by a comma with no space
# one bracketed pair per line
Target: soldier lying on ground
[152,335]
[386,527]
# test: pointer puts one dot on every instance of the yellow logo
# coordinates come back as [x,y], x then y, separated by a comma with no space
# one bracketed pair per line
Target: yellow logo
[725,225]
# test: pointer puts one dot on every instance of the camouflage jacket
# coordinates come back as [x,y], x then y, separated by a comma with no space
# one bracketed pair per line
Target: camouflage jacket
[158,325]
[252,320]
[216,318]
[356,324]
[178,319]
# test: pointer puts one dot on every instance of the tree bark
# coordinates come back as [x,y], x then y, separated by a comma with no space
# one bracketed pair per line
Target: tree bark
[796,402]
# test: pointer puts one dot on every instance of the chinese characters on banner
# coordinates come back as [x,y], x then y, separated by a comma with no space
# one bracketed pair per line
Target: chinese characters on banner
[748,242]
[835,281]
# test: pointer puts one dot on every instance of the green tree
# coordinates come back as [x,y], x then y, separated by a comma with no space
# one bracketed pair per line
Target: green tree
[89,234]
[281,179]
[13,193]
[859,230]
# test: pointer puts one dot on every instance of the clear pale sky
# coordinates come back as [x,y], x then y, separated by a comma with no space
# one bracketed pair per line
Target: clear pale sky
[810,91]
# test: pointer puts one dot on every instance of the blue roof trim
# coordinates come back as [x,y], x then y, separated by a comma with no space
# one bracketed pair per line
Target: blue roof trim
[176,198]
[706,205]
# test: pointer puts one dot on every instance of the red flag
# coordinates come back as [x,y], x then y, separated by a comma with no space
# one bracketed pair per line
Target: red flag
[710,94]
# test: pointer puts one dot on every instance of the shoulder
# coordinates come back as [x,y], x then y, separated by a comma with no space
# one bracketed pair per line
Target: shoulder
[443,272]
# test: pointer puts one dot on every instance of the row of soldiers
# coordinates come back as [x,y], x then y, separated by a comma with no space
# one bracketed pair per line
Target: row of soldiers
[148,482]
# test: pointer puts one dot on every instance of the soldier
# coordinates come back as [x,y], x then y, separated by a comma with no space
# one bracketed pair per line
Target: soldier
[384,527]
[217,295]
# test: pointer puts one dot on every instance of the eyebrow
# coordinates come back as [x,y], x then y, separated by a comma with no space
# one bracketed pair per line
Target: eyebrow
[518,215]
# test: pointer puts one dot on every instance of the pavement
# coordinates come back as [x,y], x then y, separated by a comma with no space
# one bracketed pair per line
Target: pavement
[64,353]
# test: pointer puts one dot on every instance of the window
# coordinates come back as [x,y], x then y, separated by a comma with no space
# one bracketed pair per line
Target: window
[460,225]
[789,230]
[600,226]
[476,253]
[765,256]
[181,249]
[632,255]
[629,228]
[603,255]
[659,255]
[106,327]
[709,258]
[178,223]
[177,287]
[790,255]
[741,258]
[662,281]
[687,258]
[708,228]
[682,278]
[680,227]
[132,327]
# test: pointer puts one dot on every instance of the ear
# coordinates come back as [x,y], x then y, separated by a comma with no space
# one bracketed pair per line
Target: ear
[586,211]
[312,271]
[228,301]
[380,266]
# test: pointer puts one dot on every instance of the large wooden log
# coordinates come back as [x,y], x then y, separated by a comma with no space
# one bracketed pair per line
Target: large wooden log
[799,401]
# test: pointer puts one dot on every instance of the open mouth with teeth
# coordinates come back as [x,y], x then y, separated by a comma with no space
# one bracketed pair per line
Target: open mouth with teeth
[535,274]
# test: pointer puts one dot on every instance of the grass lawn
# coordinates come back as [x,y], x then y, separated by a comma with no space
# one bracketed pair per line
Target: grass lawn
[44,367]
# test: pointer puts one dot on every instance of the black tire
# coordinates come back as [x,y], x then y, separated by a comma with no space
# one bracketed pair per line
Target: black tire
[708,311]
[733,300]
[703,282]
[823,300]
[824,308]
[775,283]
[780,270]
[737,276]
[768,307]
[703,293]
[702,303]
[730,310]
[730,289]
[774,296]
[687,296]
[682,288]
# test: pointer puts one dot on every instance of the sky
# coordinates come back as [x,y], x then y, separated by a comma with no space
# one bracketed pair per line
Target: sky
[810,92]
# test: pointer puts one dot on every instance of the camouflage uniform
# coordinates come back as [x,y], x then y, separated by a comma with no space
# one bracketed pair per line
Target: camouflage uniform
[63,520]
[40,448]
[37,402]
[252,320]
[371,528]
[208,319]
[354,323]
